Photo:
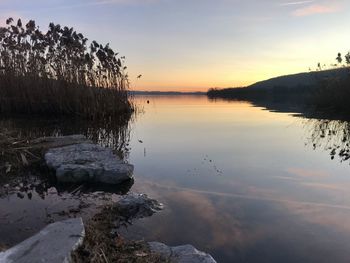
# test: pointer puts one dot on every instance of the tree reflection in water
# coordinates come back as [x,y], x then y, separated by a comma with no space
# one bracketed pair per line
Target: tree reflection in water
[330,135]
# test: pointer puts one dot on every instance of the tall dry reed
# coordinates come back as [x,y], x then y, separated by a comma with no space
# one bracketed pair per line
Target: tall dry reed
[58,73]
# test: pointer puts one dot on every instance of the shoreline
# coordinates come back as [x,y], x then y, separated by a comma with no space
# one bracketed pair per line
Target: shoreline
[102,239]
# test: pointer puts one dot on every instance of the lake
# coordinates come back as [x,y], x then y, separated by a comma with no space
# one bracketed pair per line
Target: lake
[238,181]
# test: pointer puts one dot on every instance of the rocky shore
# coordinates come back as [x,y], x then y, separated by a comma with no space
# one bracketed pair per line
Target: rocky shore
[74,159]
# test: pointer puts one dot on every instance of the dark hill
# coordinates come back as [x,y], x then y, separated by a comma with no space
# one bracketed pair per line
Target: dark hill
[300,79]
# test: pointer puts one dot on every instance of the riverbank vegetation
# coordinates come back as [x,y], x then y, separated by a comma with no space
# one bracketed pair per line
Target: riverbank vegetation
[15,153]
[59,73]
[328,91]
[334,93]
[102,243]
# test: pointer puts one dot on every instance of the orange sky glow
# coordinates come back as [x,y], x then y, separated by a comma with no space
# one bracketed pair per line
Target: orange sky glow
[191,45]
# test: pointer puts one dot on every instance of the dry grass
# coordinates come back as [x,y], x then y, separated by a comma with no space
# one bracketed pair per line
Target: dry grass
[16,159]
[102,246]
[58,73]
[15,153]
[3,247]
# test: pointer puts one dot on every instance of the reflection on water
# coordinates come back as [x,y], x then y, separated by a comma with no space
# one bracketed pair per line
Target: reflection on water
[114,134]
[275,200]
[236,180]
[30,200]
[244,229]
[332,136]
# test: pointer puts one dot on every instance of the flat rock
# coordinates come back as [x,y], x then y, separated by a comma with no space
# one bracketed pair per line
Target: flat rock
[181,254]
[87,162]
[53,244]
[138,205]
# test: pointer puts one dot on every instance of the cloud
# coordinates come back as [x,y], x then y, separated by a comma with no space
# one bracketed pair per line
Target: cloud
[297,3]
[317,9]
[324,186]
[110,2]
[96,3]
[249,196]
[307,172]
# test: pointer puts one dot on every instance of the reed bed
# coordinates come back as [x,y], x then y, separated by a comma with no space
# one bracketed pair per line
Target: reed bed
[59,73]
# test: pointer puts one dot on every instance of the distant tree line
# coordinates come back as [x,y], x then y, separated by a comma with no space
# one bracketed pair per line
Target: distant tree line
[331,94]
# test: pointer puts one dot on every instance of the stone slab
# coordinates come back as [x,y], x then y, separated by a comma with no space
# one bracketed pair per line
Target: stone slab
[53,244]
[87,162]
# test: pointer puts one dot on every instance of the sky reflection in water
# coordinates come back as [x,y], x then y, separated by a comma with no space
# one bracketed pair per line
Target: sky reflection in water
[240,182]
[237,181]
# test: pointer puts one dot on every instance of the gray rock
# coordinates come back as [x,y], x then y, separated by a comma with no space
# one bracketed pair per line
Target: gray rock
[138,205]
[53,244]
[88,162]
[181,254]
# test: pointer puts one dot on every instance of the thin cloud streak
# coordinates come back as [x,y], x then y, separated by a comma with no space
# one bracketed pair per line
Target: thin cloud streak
[111,2]
[258,198]
[102,3]
[92,3]
[297,3]
[316,9]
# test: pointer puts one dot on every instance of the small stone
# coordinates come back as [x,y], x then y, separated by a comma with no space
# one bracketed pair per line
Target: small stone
[138,205]
[181,254]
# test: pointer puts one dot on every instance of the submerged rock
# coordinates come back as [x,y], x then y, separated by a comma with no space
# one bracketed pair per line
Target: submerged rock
[181,254]
[138,205]
[87,162]
[53,244]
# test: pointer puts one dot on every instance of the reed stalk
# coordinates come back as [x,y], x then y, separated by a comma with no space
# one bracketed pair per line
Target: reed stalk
[58,72]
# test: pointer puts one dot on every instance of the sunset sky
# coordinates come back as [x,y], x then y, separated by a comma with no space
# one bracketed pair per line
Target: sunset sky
[197,44]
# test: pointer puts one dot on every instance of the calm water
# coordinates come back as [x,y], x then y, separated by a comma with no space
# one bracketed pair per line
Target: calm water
[243,183]
[237,181]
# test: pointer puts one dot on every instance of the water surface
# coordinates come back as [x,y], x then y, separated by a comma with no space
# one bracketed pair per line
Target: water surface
[243,183]
[238,181]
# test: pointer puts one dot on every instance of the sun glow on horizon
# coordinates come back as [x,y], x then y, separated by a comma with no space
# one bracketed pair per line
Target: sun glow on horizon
[187,46]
